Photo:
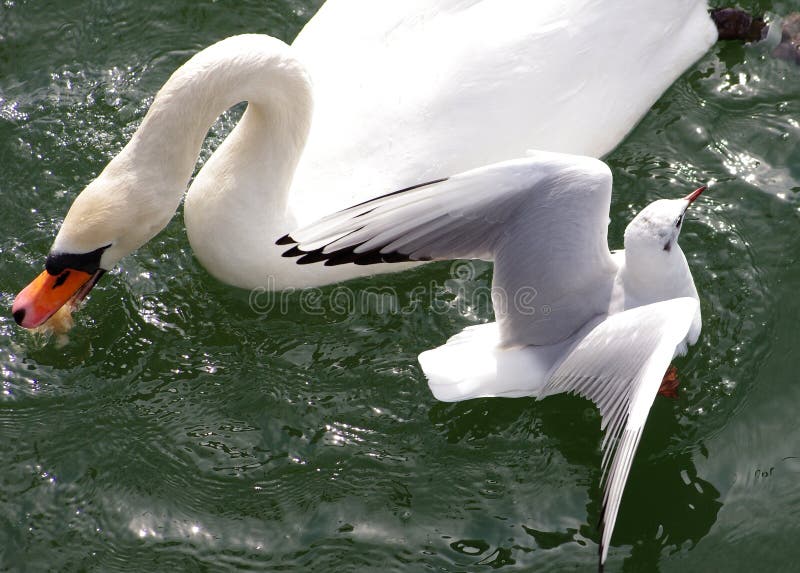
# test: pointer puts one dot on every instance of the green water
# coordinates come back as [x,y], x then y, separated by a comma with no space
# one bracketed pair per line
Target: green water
[179,430]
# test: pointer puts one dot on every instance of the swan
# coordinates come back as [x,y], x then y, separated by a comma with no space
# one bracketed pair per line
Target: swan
[570,315]
[417,91]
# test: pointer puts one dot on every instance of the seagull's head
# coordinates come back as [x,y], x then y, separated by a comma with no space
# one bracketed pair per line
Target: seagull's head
[656,228]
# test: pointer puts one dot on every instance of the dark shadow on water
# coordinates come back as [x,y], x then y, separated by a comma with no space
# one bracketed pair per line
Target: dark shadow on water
[667,507]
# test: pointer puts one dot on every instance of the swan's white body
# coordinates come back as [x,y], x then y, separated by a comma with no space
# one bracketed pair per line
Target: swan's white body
[571,316]
[403,92]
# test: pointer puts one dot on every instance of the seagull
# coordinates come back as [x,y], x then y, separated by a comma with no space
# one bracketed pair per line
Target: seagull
[571,316]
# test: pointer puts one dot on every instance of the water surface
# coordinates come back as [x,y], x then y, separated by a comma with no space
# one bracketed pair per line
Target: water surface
[180,430]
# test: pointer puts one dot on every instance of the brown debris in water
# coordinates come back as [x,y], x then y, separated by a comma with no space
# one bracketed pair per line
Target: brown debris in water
[789,48]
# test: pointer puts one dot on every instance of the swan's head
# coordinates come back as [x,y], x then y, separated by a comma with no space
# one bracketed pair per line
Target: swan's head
[654,231]
[106,222]
[140,189]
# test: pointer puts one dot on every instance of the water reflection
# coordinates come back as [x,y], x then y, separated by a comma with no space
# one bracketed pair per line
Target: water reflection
[667,506]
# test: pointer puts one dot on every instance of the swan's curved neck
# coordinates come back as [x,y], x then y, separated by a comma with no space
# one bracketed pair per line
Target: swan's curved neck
[252,68]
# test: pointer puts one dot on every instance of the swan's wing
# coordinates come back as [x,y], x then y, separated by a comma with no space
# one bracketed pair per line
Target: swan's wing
[619,365]
[419,97]
[542,219]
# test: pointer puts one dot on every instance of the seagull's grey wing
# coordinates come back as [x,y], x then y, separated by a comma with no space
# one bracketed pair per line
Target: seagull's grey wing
[542,219]
[620,365]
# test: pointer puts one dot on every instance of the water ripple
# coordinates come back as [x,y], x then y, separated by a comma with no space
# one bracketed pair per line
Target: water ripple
[178,429]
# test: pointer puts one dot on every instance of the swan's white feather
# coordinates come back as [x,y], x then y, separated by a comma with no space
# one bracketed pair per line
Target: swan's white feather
[428,88]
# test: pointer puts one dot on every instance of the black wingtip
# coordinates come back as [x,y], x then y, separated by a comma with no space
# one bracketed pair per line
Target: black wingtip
[346,255]
[306,257]
[309,257]
[293,252]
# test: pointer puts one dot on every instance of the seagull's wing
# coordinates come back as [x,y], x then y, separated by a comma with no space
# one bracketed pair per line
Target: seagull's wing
[619,365]
[542,219]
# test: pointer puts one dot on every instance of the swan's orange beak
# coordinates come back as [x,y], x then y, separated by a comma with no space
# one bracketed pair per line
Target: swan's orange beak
[47,293]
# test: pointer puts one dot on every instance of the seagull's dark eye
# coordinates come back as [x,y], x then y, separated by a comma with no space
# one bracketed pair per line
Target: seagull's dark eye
[680,220]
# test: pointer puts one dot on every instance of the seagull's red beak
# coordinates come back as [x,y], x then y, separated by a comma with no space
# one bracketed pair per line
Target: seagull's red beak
[695,194]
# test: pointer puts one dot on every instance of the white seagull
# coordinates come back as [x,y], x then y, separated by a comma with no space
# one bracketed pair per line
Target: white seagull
[570,315]
[401,92]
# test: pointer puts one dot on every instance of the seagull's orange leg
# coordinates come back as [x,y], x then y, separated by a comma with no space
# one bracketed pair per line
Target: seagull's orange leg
[669,385]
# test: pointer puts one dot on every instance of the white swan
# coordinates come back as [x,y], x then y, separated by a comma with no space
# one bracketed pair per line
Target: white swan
[571,316]
[418,90]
